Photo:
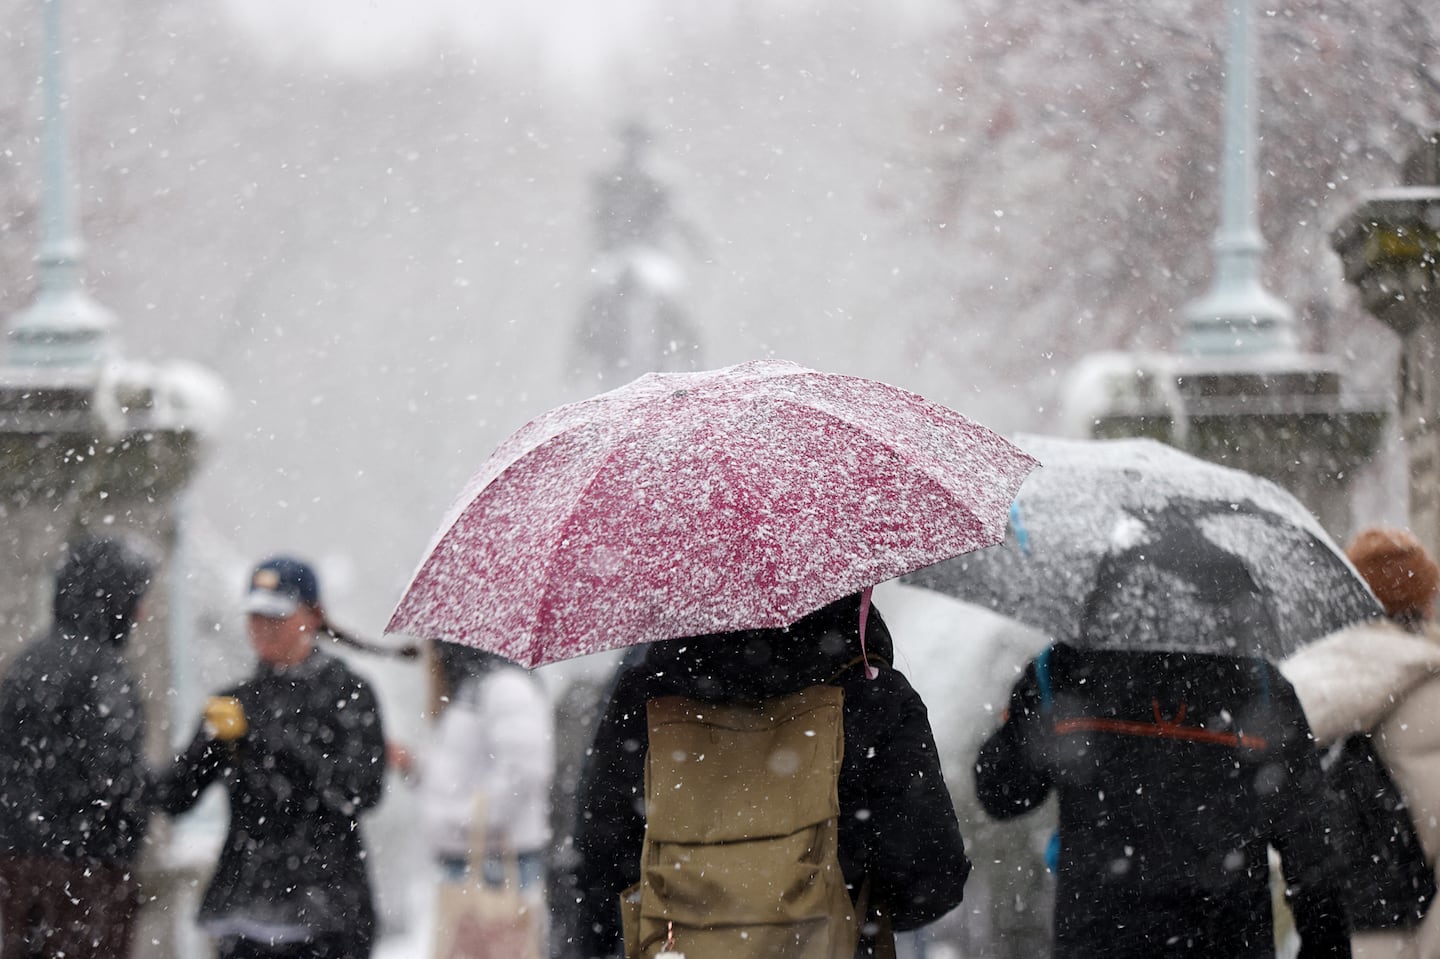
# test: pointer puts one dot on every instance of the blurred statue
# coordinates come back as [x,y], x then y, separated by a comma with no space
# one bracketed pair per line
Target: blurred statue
[632,321]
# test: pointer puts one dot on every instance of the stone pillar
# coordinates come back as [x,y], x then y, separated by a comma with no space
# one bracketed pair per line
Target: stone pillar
[99,449]
[1390,245]
[1284,418]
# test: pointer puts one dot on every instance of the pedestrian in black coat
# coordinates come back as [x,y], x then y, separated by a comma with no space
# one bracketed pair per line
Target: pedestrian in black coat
[897,825]
[72,775]
[1175,770]
[300,750]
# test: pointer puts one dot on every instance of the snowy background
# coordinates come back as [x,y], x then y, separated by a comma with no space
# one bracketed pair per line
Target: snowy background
[371,219]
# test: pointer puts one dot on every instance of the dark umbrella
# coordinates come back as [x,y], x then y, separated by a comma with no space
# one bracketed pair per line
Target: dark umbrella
[1191,555]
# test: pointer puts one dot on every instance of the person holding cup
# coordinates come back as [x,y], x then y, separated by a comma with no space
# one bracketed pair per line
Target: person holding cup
[300,749]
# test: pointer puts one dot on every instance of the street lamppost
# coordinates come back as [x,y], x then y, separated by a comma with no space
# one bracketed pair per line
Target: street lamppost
[1238,315]
[1238,390]
[63,327]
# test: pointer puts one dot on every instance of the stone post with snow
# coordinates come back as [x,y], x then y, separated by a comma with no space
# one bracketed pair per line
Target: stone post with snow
[92,442]
[1390,245]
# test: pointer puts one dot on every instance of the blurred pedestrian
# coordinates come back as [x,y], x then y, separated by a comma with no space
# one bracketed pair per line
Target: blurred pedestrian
[300,750]
[577,714]
[1383,677]
[899,845]
[495,742]
[72,775]
[1178,755]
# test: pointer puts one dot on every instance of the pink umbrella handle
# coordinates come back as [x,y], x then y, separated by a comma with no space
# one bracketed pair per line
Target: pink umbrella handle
[870,671]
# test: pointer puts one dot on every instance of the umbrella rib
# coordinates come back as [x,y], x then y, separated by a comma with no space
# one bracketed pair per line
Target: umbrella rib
[886,444]
[569,521]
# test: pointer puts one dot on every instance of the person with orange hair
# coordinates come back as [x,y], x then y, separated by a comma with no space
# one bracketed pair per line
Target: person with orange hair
[1382,677]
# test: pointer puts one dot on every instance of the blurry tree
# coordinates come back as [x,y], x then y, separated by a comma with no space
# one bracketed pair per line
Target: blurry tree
[1072,151]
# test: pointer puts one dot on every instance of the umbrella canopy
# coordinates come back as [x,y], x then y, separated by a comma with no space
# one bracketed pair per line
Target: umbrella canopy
[1186,554]
[691,503]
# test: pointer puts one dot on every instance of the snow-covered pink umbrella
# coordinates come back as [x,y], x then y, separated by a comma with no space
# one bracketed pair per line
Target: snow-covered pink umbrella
[691,503]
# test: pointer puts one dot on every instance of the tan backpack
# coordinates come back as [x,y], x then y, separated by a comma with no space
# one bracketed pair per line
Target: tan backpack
[741,851]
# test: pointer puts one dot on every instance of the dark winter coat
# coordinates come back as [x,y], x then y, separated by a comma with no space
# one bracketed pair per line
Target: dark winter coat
[72,781]
[897,825]
[312,761]
[1174,771]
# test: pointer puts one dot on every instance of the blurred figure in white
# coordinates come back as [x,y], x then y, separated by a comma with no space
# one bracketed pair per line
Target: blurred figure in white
[495,741]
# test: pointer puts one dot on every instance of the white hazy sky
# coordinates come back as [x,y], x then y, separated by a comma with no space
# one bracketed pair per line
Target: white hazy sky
[573,40]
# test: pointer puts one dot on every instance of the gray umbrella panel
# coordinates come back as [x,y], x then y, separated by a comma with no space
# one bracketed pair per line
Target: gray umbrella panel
[1093,498]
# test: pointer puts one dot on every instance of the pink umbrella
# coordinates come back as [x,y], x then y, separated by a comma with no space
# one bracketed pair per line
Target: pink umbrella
[691,503]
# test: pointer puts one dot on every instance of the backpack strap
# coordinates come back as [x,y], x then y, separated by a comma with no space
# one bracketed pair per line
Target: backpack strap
[1047,700]
[883,942]
[1042,679]
[1264,682]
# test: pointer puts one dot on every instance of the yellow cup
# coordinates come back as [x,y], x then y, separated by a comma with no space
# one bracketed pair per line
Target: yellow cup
[225,718]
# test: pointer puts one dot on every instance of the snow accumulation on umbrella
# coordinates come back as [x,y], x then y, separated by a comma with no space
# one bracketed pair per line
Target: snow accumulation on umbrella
[685,504]
[1101,497]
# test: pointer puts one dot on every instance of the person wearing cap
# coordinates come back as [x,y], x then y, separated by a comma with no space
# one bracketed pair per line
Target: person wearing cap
[1383,676]
[300,749]
[72,775]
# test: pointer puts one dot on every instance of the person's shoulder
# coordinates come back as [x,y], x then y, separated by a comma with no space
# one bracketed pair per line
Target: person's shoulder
[1363,646]
[890,688]
[333,671]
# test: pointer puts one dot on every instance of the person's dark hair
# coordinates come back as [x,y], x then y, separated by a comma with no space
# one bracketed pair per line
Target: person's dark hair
[99,585]
[744,664]
[457,663]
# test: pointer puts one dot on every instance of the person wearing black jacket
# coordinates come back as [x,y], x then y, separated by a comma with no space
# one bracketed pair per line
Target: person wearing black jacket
[1175,769]
[300,749]
[72,780]
[897,827]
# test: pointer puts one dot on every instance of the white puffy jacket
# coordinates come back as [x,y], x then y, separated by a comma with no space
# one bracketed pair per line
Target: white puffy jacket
[497,738]
[1376,676]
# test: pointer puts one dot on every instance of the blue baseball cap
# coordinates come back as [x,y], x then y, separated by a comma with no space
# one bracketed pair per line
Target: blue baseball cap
[280,586]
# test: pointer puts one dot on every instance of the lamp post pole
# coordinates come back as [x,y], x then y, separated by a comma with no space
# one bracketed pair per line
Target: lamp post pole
[1237,315]
[63,327]
[1238,390]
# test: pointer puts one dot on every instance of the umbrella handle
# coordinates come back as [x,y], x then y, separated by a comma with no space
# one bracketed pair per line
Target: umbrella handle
[870,671]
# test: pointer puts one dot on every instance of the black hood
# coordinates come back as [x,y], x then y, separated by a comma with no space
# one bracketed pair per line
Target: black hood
[99,586]
[755,665]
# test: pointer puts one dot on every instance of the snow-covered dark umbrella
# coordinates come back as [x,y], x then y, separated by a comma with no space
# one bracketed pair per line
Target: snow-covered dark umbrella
[685,504]
[1183,547]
